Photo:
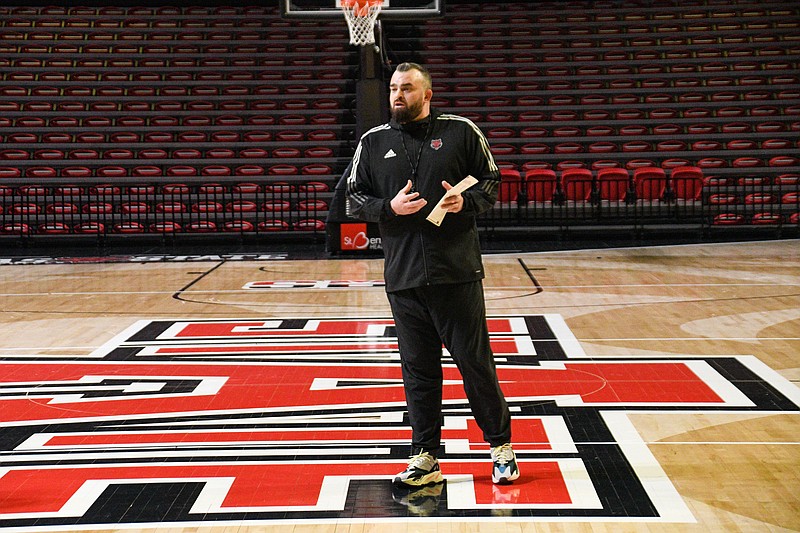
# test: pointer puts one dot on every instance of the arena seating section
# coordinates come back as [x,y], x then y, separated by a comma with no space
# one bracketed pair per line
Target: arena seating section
[231,120]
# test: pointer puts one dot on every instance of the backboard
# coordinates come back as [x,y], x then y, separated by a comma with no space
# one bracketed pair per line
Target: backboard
[392,9]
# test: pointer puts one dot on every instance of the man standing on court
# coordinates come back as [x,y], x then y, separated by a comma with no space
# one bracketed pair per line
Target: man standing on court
[433,274]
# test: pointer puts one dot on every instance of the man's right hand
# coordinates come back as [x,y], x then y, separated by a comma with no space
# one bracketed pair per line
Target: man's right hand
[405,203]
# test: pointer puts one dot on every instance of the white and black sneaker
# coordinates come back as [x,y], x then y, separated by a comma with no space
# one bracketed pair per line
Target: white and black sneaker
[505,469]
[422,469]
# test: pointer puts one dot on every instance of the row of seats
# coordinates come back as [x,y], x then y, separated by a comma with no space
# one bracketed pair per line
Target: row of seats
[702,45]
[668,35]
[145,35]
[202,69]
[178,49]
[447,68]
[167,31]
[161,120]
[177,62]
[194,75]
[153,172]
[626,10]
[182,17]
[746,183]
[582,85]
[502,149]
[130,137]
[163,227]
[616,98]
[685,183]
[546,137]
[640,93]
[184,35]
[778,164]
[589,160]
[610,184]
[143,208]
[721,130]
[742,185]
[162,171]
[285,185]
[790,198]
[289,116]
[204,89]
[495,85]
[134,11]
[510,129]
[570,9]
[763,218]
[645,115]
[89,154]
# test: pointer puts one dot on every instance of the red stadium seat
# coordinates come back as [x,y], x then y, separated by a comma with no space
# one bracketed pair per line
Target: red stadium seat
[687,182]
[540,185]
[760,198]
[612,183]
[241,206]
[273,224]
[134,208]
[309,224]
[510,182]
[238,226]
[90,228]
[728,219]
[201,226]
[165,227]
[650,183]
[129,227]
[15,228]
[207,207]
[54,228]
[577,184]
[61,208]
[723,199]
[766,218]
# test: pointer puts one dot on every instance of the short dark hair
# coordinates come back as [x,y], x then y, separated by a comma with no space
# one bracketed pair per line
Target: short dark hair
[426,76]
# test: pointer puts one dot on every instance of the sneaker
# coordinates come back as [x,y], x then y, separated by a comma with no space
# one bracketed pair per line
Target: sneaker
[422,469]
[505,468]
[420,501]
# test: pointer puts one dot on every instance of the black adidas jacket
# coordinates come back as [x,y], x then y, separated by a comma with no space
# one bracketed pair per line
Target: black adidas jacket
[417,252]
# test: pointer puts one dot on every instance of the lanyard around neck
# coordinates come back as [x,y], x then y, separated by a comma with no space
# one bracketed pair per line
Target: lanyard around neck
[414,164]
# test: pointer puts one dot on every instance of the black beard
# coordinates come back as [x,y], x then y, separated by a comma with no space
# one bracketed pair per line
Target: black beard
[406,114]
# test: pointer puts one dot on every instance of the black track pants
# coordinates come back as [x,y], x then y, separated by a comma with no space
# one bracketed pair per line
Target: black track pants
[453,315]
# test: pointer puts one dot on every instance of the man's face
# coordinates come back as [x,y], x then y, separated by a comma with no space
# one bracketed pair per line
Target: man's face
[408,98]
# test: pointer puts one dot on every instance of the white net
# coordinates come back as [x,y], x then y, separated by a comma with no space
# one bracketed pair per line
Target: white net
[360,17]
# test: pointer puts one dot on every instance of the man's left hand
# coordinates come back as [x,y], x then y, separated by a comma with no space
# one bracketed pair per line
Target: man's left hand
[452,204]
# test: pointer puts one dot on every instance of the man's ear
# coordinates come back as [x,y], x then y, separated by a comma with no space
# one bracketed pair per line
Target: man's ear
[428,95]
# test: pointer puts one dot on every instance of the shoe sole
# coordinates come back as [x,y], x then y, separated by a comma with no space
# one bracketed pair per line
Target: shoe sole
[428,479]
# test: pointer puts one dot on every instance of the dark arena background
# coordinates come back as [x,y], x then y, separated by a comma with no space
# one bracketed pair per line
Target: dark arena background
[194,337]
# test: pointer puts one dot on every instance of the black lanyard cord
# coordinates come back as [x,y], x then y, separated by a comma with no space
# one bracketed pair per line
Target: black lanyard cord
[415,164]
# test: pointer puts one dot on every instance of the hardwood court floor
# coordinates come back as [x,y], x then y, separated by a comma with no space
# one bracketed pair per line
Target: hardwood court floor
[730,313]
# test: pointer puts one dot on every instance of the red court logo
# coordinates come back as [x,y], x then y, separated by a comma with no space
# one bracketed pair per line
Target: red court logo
[274,419]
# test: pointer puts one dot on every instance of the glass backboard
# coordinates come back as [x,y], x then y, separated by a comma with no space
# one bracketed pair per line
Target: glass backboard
[392,9]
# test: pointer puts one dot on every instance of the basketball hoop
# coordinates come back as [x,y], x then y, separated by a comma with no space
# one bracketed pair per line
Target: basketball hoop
[361,16]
